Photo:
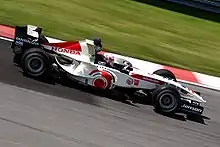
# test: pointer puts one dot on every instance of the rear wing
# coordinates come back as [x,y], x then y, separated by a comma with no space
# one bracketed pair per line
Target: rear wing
[29,30]
[27,36]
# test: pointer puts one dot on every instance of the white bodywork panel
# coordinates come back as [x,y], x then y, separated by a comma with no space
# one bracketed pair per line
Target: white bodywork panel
[85,55]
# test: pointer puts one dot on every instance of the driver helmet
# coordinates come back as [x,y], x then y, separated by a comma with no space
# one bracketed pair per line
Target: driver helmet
[98,44]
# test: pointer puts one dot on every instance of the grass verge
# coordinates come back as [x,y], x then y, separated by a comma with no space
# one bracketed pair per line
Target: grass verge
[127,27]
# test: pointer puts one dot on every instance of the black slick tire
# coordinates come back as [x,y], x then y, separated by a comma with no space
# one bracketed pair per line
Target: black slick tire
[35,63]
[166,100]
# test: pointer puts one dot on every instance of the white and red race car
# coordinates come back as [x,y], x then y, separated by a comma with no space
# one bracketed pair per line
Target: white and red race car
[77,61]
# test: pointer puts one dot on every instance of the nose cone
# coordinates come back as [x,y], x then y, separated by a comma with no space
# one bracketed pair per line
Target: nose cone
[197,96]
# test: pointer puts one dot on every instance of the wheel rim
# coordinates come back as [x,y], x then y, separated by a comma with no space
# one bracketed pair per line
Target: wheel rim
[167,101]
[35,64]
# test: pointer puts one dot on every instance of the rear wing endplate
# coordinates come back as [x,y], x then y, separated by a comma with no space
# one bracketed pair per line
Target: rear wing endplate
[28,31]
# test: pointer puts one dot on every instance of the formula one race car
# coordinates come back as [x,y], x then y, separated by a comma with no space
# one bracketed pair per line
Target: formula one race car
[83,62]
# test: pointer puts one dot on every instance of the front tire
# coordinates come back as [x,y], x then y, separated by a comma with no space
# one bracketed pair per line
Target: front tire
[35,63]
[166,100]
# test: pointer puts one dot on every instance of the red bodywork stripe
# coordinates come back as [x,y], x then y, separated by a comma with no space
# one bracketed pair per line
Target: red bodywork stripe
[144,78]
[67,45]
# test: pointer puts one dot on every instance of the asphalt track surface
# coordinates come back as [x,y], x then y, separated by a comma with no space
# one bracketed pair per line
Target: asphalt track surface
[38,114]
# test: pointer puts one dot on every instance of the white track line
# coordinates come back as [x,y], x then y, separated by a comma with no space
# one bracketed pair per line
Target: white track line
[7,39]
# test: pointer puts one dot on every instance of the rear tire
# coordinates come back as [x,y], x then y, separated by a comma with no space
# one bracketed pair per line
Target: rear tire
[165,73]
[35,63]
[166,99]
